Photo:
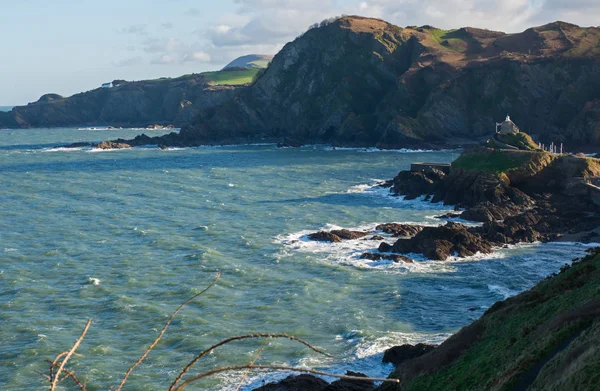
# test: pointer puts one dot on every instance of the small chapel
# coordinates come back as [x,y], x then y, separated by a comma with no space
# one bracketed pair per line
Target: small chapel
[507,126]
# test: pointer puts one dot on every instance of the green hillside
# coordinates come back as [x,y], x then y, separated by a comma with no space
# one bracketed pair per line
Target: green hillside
[545,338]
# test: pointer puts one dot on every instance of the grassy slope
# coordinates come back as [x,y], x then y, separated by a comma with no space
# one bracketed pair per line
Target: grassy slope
[495,161]
[554,327]
[520,140]
[231,77]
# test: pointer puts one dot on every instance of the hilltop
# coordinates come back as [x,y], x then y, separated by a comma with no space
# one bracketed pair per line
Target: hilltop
[260,61]
[364,82]
[133,103]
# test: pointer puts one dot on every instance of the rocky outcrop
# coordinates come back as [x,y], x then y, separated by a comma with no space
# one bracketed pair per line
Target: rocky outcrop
[112,145]
[396,229]
[364,82]
[398,354]
[336,236]
[312,383]
[522,197]
[439,243]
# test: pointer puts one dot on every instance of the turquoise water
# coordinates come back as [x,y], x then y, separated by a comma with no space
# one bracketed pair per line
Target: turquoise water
[124,237]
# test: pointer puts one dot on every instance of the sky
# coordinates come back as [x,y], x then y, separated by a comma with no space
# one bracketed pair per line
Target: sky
[69,46]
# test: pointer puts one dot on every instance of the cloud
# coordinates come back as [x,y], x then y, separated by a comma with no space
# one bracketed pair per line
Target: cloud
[196,57]
[127,62]
[161,45]
[165,59]
[167,25]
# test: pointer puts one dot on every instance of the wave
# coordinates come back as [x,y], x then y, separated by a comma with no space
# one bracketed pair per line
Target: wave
[366,353]
[330,148]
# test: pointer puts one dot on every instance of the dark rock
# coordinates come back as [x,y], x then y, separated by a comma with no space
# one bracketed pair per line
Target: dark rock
[415,184]
[439,243]
[386,184]
[398,354]
[391,257]
[385,247]
[448,216]
[163,147]
[399,229]
[487,211]
[351,385]
[349,235]
[376,237]
[323,236]
[112,145]
[78,145]
[296,383]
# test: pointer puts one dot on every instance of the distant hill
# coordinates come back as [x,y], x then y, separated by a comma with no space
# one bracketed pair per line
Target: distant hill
[160,101]
[259,61]
[358,81]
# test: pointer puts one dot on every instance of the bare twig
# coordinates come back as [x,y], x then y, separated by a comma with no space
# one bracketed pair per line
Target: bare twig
[70,374]
[68,356]
[248,370]
[280,368]
[239,337]
[141,359]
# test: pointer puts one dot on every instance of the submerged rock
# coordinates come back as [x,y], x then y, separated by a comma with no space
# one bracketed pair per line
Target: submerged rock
[390,257]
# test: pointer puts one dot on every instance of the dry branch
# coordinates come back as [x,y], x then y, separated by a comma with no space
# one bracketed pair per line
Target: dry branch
[67,356]
[141,359]
[248,370]
[280,368]
[237,338]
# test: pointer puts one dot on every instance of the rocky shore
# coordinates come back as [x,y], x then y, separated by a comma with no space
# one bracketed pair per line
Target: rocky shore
[542,198]
[522,197]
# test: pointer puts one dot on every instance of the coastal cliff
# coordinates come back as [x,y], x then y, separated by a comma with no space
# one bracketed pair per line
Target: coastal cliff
[162,101]
[364,82]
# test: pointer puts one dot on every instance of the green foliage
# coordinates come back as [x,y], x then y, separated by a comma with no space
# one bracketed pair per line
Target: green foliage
[495,161]
[526,330]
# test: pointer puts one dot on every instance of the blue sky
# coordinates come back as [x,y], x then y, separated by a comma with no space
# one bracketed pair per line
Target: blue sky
[68,46]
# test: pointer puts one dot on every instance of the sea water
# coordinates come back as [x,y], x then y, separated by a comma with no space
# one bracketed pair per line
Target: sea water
[124,237]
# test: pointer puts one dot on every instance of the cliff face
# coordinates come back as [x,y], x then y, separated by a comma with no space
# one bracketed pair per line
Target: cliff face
[365,82]
[161,101]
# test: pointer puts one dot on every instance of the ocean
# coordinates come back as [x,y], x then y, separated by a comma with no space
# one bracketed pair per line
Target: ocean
[124,237]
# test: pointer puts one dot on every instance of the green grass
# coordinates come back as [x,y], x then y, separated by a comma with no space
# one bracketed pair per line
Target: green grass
[520,140]
[523,331]
[231,78]
[496,161]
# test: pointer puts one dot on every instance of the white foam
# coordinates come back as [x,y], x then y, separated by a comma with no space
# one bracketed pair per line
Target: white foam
[65,149]
[328,148]
[502,290]
[365,355]
[94,281]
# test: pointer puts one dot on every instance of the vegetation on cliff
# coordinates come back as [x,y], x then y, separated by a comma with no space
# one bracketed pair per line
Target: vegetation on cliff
[544,338]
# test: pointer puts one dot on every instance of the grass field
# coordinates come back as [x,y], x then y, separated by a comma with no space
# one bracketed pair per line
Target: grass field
[496,161]
[231,78]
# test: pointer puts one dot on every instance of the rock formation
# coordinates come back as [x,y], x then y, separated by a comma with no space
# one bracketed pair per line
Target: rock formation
[364,82]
